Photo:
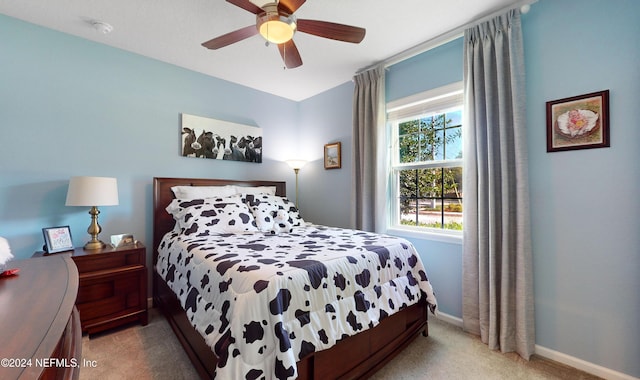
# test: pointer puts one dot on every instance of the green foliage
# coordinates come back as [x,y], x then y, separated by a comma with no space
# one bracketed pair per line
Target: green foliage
[424,140]
[453,207]
[448,226]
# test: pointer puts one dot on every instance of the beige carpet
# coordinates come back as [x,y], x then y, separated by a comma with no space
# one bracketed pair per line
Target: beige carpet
[153,352]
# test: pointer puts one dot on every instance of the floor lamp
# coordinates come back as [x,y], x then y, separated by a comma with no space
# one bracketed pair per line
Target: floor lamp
[296,165]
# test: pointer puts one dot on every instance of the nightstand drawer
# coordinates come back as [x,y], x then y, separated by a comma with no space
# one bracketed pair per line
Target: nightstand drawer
[111,260]
[110,295]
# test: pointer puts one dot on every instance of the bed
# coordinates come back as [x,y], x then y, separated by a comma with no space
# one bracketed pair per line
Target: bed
[280,343]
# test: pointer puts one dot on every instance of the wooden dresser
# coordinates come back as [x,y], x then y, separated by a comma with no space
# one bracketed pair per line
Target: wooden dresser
[40,327]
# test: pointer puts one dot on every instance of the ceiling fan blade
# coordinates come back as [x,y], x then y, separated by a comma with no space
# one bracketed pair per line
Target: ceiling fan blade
[339,32]
[246,5]
[290,54]
[290,6]
[229,38]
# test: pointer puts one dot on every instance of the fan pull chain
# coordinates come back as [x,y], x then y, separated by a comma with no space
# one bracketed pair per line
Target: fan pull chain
[284,57]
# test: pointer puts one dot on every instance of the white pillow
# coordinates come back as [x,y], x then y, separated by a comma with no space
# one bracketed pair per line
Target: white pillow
[178,205]
[201,192]
[254,190]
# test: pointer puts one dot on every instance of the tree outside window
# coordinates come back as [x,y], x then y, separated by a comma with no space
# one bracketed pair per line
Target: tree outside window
[429,170]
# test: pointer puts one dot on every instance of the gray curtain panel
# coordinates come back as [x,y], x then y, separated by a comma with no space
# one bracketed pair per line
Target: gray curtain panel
[367,96]
[497,264]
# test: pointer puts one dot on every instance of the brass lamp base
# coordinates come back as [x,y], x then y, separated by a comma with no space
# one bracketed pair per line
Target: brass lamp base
[93,230]
[94,245]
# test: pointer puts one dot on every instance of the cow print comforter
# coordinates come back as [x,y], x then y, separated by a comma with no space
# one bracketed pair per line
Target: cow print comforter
[264,301]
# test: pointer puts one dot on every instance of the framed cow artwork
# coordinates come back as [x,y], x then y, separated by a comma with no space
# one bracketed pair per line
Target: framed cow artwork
[203,137]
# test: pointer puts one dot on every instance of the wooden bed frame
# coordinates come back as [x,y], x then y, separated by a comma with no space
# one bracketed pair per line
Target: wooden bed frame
[355,357]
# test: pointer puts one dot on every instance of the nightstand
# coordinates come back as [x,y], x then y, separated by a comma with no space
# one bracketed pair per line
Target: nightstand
[113,286]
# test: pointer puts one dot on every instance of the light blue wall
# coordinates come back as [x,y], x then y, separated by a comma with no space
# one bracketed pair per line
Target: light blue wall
[432,69]
[585,207]
[325,193]
[70,107]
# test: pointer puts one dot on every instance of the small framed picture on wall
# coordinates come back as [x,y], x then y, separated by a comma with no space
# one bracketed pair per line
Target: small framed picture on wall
[578,122]
[332,156]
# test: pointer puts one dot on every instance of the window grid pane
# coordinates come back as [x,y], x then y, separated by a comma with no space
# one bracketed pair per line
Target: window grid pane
[431,197]
[428,170]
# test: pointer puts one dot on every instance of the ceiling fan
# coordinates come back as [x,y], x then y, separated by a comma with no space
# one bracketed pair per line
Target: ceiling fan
[276,22]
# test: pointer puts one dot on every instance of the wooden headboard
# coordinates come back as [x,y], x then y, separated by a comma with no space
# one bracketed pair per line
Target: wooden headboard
[162,196]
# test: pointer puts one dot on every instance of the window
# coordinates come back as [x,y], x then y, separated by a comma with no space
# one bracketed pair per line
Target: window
[426,160]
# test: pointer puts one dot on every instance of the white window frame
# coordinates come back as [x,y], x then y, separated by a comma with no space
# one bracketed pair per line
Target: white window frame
[436,101]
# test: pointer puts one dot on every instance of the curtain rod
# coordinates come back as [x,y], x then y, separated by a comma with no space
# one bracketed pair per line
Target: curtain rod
[445,37]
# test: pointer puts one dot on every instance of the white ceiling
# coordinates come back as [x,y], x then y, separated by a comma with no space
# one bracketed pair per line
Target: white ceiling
[172,31]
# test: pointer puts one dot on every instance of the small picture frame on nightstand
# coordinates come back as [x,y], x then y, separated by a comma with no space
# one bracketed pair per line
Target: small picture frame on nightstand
[57,239]
[122,240]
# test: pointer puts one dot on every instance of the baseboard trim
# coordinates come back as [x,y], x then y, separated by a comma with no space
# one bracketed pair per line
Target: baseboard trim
[444,317]
[582,365]
[559,357]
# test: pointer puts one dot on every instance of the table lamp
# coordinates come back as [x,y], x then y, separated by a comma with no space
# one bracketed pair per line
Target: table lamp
[93,192]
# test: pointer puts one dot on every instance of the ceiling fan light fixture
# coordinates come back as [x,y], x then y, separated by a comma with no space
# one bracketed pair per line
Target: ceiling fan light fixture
[275,28]
[276,23]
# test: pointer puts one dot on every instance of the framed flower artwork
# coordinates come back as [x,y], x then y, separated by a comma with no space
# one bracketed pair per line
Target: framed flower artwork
[578,122]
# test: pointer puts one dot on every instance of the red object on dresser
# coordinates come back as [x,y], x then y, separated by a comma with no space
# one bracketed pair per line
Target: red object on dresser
[10,272]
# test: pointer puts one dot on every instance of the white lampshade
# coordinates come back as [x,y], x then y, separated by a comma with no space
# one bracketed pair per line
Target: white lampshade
[296,164]
[92,191]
